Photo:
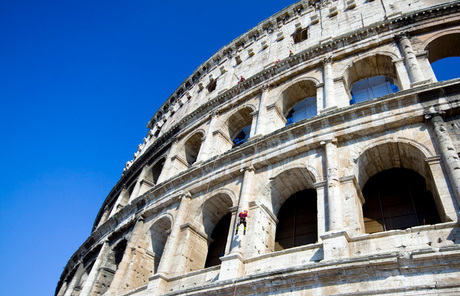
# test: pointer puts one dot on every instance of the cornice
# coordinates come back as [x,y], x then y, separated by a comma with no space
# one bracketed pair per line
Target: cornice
[284,70]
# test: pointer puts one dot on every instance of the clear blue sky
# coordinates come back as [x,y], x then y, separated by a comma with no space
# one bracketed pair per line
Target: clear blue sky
[79,80]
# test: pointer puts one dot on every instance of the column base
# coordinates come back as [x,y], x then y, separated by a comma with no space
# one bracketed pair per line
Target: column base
[232,267]
[335,245]
[415,84]
[157,284]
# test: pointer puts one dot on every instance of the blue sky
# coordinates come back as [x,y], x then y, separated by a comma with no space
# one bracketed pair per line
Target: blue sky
[79,80]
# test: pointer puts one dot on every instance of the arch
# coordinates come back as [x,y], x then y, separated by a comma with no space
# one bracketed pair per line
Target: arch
[397,199]
[238,121]
[295,92]
[152,238]
[443,51]
[213,209]
[159,231]
[287,183]
[387,154]
[388,167]
[109,267]
[443,45]
[376,73]
[298,221]
[373,64]
[207,217]
[298,100]
[191,147]
[155,169]
[218,244]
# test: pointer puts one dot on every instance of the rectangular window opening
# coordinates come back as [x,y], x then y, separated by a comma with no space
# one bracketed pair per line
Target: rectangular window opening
[300,35]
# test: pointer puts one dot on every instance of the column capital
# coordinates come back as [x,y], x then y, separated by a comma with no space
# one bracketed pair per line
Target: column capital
[214,114]
[327,60]
[185,194]
[327,141]
[247,168]
[430,114]
[401,36]
[140,217]
[319,85]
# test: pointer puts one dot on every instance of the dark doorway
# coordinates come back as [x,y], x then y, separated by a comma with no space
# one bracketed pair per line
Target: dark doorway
[397,199]
[217,247]
[297,221]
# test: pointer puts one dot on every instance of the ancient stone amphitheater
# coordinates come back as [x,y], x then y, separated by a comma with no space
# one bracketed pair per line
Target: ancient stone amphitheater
[328,124]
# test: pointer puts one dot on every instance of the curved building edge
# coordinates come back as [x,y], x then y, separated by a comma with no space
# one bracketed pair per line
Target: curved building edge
[411,121]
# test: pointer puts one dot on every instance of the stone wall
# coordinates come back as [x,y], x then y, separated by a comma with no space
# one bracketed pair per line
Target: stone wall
[154,230]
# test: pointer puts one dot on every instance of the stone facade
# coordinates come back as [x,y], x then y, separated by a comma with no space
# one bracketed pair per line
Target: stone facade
[313,184]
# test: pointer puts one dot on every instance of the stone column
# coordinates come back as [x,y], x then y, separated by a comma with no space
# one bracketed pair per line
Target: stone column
[334,202]
[138,186]
[328,78]
[246,188]
[73,281]
[105,216]
[261,124]
[321,196]
[233,264]
[86,290]
[410,58]
[206,149]
[122,200]
[171,244]
[446,205]
[127,256]
[353,201]
[320,97]
[159,280]
[167,170]
[448,153]
[253,131]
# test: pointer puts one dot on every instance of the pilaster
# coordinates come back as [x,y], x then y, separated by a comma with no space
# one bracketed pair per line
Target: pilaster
[127,257]
[206,150]
[449,155]
[334,201]
[86,290]
[410,60]
[329,97]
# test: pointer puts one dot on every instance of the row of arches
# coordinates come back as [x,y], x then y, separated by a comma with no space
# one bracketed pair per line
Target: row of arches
[395,197]
[367,78]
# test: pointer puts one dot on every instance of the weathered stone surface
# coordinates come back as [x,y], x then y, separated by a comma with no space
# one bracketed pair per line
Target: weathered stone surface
[156,228]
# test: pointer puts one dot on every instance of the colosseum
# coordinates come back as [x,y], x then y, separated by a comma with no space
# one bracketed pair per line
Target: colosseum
[326,122]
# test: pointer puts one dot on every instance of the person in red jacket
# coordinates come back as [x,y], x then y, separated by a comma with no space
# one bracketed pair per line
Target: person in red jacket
[243,215]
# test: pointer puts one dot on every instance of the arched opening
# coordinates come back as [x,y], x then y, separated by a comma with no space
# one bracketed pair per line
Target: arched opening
[212,85]
[298,102]
[107,272]
[297,221]
[242,136]
[159,234]
[444,56]
[239,126]
[219,241]
[215,215]
[447,68]
[152,239]
[192,148]
[155,171]
[370,78]
[373,87]
[302,110]
[397,199]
